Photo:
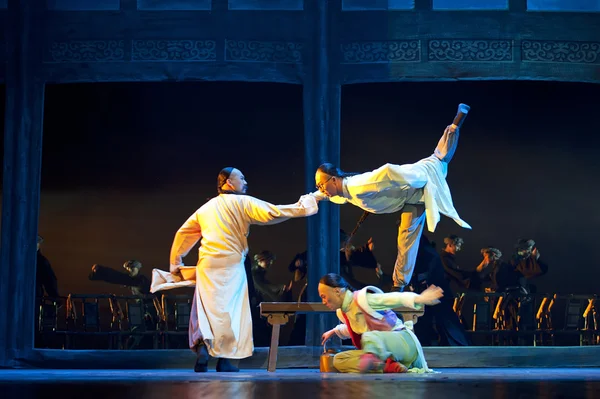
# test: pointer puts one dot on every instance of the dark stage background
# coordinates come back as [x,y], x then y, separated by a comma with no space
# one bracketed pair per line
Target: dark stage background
[125,164]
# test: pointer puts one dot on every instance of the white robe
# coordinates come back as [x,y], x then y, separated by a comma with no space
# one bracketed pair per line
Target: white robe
[221,297]
[387,188]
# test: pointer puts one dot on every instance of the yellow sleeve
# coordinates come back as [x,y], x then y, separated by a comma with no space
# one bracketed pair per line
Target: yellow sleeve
[262,213]
[186,237]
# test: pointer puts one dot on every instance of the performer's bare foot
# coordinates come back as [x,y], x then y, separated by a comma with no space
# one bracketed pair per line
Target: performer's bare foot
[225,366]
[392,366]
[369,362]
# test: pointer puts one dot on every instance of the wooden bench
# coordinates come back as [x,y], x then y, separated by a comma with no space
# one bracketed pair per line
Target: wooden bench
[278,313]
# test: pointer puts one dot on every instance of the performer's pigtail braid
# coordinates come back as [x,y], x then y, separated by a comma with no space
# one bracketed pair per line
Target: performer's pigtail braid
[348,246]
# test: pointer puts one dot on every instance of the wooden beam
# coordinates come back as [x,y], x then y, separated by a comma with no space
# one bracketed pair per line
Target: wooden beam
[382,25]
[380,50]
[322,95]
[169,71]
[21,186]
[457,71]
[302,356]
[469,45]
[217,23]
[513,356]
[267,308]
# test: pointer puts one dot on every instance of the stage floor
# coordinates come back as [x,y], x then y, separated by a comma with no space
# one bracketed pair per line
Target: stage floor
[300,384]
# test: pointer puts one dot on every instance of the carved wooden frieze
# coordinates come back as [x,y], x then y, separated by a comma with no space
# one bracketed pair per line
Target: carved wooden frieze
[455,50]
[174,50]
[560,51]
[375,52]
[86,51]
[163,50]
[263,51]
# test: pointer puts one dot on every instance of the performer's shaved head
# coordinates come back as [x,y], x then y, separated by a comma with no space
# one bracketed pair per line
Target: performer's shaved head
[332,289]
[231,181]
[328,179]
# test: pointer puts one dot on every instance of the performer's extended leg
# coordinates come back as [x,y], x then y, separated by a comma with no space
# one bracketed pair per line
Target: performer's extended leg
[412,219]
[446,147]
[196,340]
[195,337]
[415,175]
[397,345]
[447,144]
[347,361]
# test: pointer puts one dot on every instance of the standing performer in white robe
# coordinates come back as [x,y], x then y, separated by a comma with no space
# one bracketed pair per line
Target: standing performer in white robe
[419,191]
[221,323]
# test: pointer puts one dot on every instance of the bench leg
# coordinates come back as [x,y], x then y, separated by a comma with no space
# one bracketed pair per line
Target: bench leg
[272,364]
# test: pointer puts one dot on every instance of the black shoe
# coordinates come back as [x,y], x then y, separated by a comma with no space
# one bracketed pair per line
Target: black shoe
[225,366]
[201,365]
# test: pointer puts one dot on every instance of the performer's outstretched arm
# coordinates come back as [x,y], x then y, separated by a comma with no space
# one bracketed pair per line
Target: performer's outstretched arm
[412,300]
[263,213]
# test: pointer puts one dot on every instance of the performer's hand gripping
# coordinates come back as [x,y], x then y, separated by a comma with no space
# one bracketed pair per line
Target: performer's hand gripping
[431,296]
[326,336]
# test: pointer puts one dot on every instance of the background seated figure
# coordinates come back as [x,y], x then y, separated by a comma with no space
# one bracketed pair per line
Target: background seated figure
[137,282]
